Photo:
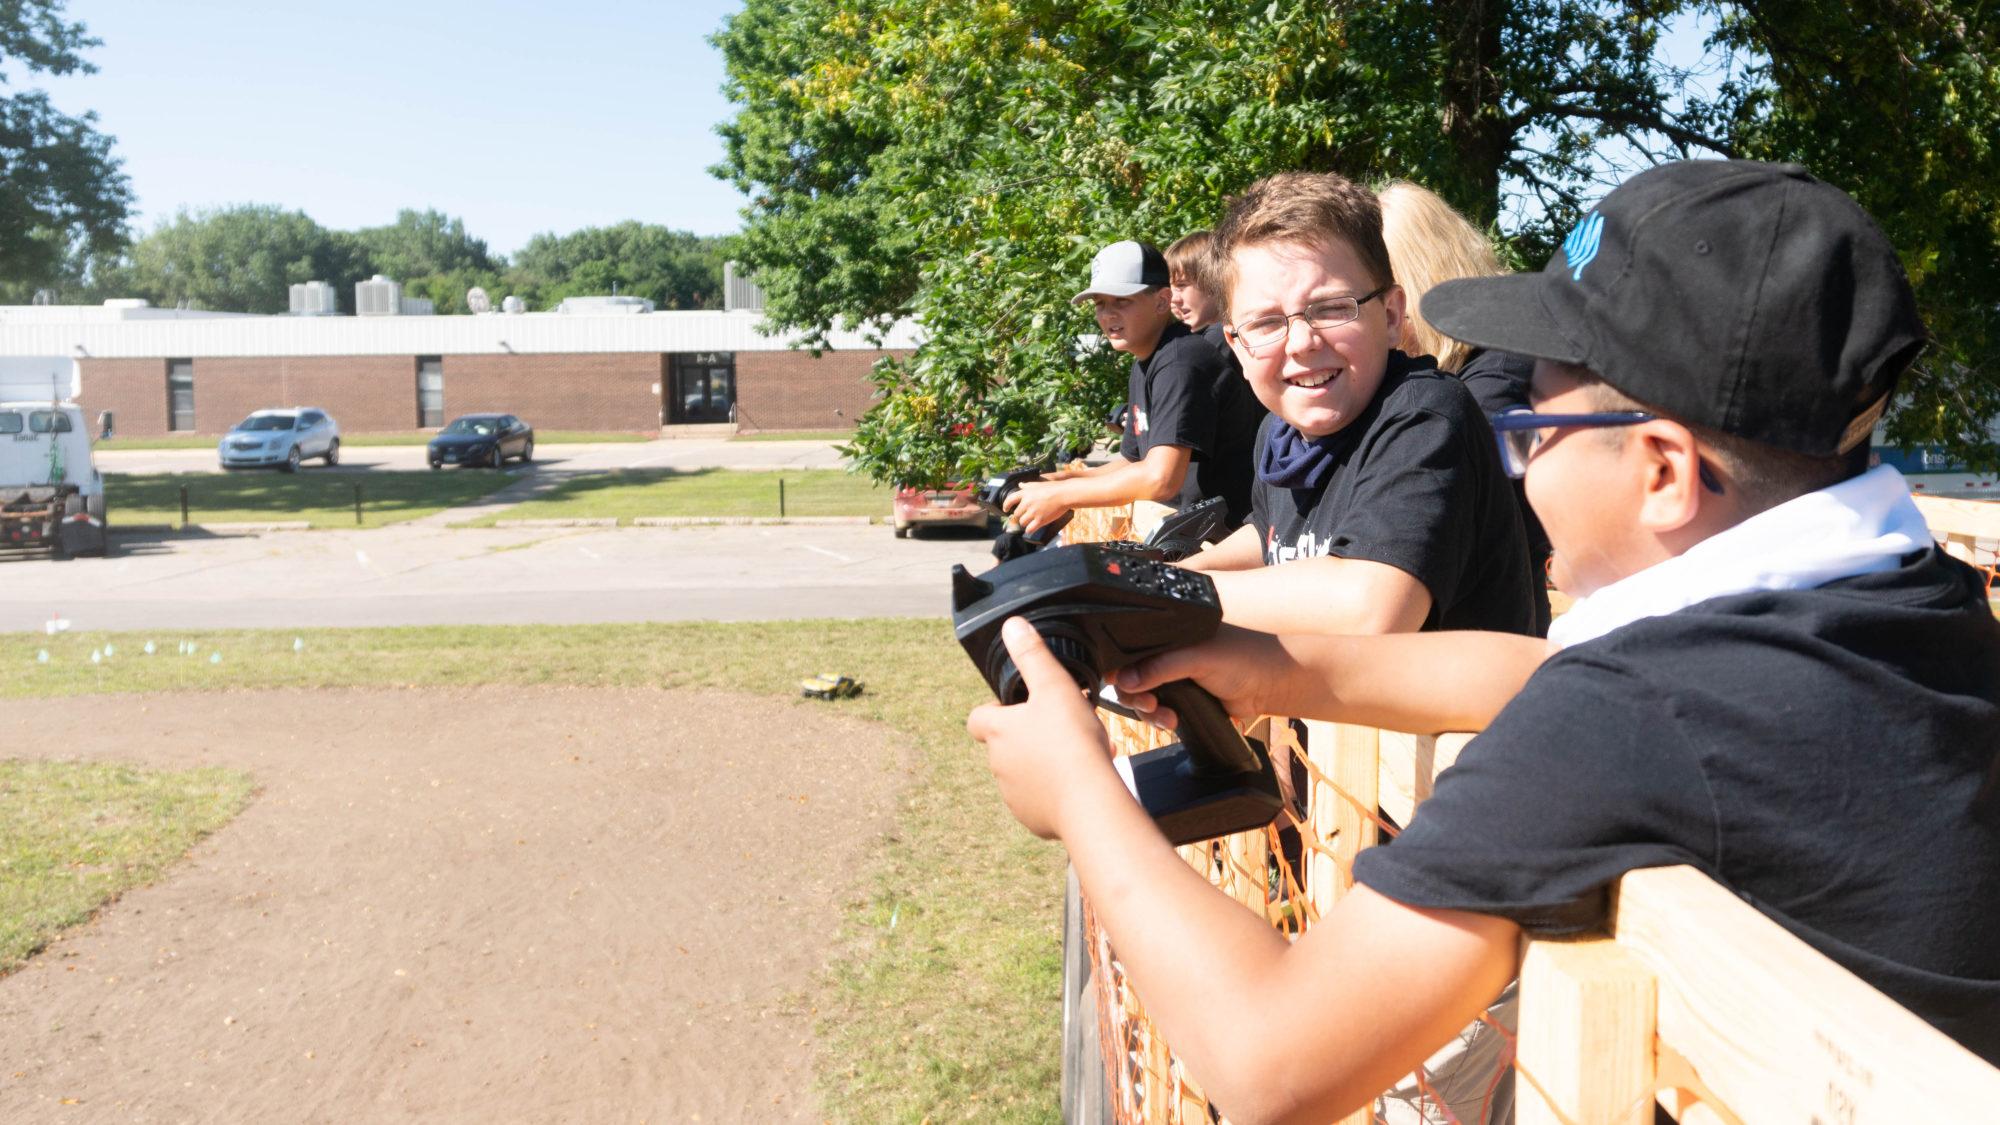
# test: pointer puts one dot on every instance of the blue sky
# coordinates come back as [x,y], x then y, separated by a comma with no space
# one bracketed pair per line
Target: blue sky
[517,117]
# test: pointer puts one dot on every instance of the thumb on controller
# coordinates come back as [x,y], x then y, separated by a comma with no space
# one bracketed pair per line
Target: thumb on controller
[1039,668]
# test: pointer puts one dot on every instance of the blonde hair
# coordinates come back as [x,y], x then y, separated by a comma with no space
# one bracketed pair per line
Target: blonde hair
[1428,243]
[1302,209]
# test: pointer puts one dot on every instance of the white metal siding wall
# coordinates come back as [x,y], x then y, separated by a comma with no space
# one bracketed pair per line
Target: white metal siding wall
[664,332]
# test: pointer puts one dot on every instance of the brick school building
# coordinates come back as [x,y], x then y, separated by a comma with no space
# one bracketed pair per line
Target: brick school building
[599,367]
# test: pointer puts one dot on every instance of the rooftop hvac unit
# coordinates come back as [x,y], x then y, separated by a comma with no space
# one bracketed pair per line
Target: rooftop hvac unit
[378,296]
[513,304]
[739,293]
[419,306]
[314,298]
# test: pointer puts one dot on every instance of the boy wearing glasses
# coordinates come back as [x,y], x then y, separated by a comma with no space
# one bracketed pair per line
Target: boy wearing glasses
[1377,485]
[1772,673]
[1190,421]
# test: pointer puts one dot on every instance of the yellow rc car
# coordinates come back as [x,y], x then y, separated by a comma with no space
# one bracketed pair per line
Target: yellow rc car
[827,685]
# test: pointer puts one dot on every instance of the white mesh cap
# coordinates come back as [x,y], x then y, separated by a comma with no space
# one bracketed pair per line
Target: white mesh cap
[1125,268]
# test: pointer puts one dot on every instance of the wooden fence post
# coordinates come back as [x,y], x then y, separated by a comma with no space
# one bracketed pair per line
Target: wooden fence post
[1349,759]
[1585,1053]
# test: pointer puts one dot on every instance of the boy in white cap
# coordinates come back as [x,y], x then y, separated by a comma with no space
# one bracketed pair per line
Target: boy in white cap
[1192,423]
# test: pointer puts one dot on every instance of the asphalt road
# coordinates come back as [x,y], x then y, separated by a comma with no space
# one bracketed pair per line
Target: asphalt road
[436,576]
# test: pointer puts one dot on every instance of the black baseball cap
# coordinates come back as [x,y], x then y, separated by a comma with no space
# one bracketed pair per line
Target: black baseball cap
[1746,297]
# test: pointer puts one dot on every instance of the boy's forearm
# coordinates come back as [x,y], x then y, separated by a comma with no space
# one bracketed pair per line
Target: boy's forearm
[1200,955]
[1323,595]
[1424,683]
[1119,482]
[1241,550]
[1080,470]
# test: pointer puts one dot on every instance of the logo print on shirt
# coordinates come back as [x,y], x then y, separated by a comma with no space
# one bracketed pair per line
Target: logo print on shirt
[1138,422]
[1580,248]
[1308,546]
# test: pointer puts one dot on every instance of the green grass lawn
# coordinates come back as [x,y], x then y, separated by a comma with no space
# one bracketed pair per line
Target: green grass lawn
[705,492]
[75,835]
[361,441]
[323,499]
[945,1002]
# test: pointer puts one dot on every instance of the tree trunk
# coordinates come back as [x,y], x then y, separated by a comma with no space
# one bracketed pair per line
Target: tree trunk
[1475,128]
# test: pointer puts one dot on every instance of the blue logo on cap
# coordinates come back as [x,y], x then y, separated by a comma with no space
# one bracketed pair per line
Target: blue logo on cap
[1580,248]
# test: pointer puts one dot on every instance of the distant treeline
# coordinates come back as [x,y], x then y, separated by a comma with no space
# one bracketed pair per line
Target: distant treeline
[245,258]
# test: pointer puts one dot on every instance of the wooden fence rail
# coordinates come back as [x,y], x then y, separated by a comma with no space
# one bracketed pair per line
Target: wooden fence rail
[1692,999]
[1968,529]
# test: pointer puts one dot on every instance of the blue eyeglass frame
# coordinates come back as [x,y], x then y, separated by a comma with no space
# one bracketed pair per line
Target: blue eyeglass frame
[1524,420]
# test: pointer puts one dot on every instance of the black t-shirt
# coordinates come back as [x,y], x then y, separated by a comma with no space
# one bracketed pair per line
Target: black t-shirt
[1830,755]
[1499,382]
[1418,486]
[1192,394]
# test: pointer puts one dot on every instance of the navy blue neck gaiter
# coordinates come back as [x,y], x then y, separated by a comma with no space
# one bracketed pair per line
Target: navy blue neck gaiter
[1292,460]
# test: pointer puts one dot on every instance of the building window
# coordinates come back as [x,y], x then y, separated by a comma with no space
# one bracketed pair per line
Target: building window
[180,394]
[703,388]
[430,391]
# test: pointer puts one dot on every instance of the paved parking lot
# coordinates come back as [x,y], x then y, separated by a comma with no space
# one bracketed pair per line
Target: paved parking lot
[423,573]
[690,453]
[407,575]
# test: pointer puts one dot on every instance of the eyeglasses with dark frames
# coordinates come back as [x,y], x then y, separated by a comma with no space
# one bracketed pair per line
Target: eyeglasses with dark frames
[1521,431]
[1329,313]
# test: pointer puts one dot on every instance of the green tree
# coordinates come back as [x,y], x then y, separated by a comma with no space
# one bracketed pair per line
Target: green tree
[825,242]
[1898,101]
[447,290]
[960,162]
[676,269]
[421,243]
[235,259]
[63,197]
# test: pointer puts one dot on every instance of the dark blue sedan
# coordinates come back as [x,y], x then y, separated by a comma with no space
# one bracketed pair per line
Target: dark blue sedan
[483,439]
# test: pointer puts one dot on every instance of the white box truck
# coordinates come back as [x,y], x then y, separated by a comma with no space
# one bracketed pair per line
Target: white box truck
[51,494]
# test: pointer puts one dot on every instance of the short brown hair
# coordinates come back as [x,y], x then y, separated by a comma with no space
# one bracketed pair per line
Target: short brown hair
[1765,476]
[1303,209]
[1188,256]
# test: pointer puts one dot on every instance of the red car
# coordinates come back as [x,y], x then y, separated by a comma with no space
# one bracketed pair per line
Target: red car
[950,506]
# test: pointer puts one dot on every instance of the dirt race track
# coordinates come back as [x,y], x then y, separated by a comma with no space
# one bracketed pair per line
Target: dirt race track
[548,904]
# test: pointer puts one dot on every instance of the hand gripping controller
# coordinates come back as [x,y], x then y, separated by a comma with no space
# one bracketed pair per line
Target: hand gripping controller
[1177,537]
[1014,543]
[1099,609]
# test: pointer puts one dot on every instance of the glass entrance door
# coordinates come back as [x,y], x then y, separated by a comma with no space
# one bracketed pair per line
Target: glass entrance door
[703,388]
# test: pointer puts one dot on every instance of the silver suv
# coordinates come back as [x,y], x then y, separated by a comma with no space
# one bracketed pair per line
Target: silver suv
[281,438]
